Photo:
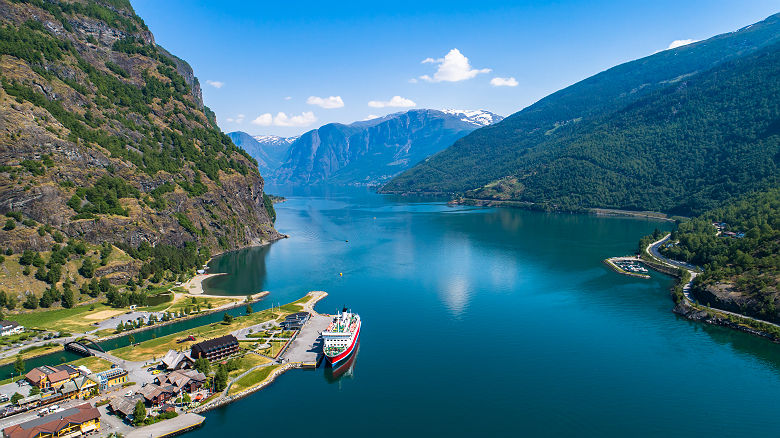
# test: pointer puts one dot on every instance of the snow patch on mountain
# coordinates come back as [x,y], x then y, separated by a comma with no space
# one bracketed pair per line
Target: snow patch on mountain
[275,140]
[476,117]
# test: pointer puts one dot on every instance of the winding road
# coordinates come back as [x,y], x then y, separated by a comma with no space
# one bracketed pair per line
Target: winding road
[693,270]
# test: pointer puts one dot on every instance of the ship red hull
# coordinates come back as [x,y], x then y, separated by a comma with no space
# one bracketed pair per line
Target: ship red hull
[334,361]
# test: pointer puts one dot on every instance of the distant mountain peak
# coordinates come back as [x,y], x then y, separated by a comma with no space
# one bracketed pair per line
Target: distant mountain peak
[477,117]
[275,140]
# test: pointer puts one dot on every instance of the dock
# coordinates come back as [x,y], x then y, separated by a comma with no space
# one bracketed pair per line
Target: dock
[168,428]
[306,348]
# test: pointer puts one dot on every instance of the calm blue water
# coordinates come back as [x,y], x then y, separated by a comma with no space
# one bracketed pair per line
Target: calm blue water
[492,322]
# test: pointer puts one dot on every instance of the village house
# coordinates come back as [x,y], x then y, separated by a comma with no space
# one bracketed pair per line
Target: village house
[46,377]
[73,422]
[8,328]
[108,378]
[123,407]
[215,349]
[174,360]
[156,395]
[186,380]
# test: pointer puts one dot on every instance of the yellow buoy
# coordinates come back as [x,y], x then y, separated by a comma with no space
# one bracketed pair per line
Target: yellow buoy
[341,274]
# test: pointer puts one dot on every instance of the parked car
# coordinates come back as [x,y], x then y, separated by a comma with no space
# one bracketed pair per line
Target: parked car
[4,398]
[43,412]
[156,371]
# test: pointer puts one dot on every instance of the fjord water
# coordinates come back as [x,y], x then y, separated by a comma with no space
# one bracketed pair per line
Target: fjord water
[491,322]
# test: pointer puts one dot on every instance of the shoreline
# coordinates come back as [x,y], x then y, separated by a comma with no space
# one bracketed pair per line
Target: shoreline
[316,297]
[532,206]
[686,307]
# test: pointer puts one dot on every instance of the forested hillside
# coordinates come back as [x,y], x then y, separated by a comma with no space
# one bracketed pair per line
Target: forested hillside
[110,164]
[680,131]
[738,245]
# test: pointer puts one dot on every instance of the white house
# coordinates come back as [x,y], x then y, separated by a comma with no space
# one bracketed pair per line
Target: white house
[8,328]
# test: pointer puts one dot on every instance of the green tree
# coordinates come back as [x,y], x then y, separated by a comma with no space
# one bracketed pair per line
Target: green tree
[35,390]
[227,318]
[16,397]
[248,309]
[30,302]
[10,224]
[87,269]
[139,413]
[67,299]
[221,377]
[202,365]
[19,365]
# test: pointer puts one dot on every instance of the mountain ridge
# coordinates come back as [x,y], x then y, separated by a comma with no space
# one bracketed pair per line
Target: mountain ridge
[504,161]
[370,151]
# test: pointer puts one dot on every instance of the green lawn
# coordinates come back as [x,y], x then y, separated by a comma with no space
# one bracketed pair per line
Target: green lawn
[94,363]
[252,379]
[76,319]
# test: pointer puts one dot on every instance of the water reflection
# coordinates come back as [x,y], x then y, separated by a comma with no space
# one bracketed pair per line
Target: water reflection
[234,264]
[343,370]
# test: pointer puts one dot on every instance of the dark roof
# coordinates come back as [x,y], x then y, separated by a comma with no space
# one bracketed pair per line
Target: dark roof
[215,344]
[53,423]
[68,368]
[297,316]
[6,323]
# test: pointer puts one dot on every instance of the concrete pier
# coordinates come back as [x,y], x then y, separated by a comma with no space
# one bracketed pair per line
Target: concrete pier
[168,428]
[307,346]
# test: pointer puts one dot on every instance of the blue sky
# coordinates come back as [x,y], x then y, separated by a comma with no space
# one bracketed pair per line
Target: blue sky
[283,68]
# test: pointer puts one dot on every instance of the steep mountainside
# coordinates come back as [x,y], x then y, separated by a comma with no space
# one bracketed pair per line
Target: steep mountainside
[104,138]
[679,131]
[372,151]
[270,151]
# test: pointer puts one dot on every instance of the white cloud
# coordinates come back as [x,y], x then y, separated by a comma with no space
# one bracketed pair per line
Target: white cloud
[503,82]
[306,118]
[454,67]
[679,43]
[371,117]
[215,84]
[413,80]
[238,119]
[326,102]
[264,120]
[395,101]
[288,98]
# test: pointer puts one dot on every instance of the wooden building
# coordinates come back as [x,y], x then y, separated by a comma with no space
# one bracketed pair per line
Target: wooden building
[215,349]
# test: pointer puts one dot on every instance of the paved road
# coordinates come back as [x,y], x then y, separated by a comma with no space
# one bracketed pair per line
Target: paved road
[693,271]
[654,247]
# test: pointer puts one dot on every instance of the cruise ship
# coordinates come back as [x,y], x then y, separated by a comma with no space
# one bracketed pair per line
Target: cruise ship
[341,338]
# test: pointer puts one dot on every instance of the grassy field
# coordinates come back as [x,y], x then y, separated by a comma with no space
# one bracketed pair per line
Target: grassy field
[94,363]
[34,351]
[77,319]
[252,379]
[182,302]
[271,351]
[247,362]
[155,348]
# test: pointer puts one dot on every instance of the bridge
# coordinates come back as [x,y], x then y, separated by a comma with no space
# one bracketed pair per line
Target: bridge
[84,347]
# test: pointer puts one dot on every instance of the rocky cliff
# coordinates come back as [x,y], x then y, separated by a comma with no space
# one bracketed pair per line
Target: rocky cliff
[104,136]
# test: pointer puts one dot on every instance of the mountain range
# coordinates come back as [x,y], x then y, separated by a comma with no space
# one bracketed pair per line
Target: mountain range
[680,131]
[270,151]
[364,153]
